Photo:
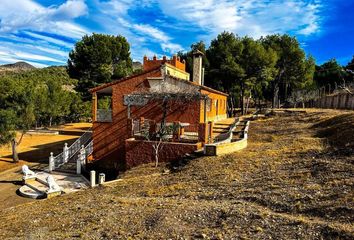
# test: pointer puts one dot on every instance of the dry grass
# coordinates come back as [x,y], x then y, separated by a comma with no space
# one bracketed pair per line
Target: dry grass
[288,184]
[36,148]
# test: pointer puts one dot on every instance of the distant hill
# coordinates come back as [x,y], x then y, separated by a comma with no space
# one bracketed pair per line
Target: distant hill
[137,65]
[16,67]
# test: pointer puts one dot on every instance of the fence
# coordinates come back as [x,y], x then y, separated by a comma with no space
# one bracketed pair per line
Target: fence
[69,153]
[309,97]
[339,101]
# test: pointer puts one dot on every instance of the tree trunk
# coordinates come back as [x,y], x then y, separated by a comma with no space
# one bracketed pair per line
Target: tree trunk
[14,151]
[275,95]
[275,103]
[50,121]
[242,101]
[247,104]
[231,111]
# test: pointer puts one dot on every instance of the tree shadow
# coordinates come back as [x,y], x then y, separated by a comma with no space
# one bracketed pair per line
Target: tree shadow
[14,182]
[42,152]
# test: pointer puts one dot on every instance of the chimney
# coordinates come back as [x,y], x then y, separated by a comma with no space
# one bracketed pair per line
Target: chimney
[197,67]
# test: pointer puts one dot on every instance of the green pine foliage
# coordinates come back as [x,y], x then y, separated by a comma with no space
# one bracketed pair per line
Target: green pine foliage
[98,59]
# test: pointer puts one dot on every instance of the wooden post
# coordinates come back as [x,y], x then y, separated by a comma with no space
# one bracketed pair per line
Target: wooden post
[203,133]
[210,131]
[205,110]
[141,123]
[152,128]
[130,131]
[128,110]
[176,130]
[94,107]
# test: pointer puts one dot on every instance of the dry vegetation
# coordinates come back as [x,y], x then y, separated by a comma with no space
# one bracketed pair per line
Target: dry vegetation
[294,181]
[36,148]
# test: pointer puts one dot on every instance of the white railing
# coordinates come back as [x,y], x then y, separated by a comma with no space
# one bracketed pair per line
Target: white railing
[69,152]
[89,148]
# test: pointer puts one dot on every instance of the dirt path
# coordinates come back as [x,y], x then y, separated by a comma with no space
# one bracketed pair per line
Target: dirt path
[10,182]
[34,152]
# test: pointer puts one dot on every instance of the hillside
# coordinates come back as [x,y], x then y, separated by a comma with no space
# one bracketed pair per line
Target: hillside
[137,66]
[58,73]
[16,67]
[290,183]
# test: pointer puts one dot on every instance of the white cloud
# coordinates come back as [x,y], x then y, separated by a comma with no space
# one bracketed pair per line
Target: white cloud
[69,10]
[117,7]
[27,14]
[247,17]
[11,52]
[49,39]
[53,51]
[171,47]
[152,31]
[26,56]
[114,16]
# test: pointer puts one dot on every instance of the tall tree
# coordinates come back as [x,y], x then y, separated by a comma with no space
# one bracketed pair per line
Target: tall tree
[17,113]
[98,59]
[239,65]
[330,75]
[224,70]
[188,56]
[292,65]
[350,65]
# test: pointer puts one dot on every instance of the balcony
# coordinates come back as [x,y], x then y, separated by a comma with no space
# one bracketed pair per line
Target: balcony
[104,115]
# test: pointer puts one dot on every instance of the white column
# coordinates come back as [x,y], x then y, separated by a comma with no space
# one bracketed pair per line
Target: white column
[66,153]
[78,165]
[51,162]
[93,178]
[83,155]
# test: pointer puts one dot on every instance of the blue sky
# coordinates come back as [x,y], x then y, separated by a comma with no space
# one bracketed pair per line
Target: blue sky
[42,32]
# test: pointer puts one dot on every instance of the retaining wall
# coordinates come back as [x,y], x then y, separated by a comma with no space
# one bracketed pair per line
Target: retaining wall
[141,151]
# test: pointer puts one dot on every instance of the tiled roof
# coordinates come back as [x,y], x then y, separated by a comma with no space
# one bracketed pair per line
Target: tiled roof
[151,70]
[95,89]
[201,86]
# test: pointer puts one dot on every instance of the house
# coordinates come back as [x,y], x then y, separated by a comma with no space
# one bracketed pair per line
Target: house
[136,102]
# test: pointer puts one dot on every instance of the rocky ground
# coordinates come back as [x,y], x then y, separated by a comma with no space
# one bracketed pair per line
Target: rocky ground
[294,181]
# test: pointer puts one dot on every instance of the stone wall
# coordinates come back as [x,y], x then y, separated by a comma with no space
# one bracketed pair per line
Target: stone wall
[139,151]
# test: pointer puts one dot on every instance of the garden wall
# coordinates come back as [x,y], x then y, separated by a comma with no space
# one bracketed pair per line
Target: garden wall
[140,151]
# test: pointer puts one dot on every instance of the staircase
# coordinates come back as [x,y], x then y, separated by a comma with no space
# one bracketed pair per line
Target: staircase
[66,161]
[239,132]
[37,188]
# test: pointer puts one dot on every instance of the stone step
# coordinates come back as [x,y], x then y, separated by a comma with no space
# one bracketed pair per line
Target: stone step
[71,171]
[220,131]
[222,127]
[38,184]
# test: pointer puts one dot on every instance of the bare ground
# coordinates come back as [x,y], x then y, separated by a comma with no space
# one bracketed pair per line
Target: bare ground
[294,181]
[33,151]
